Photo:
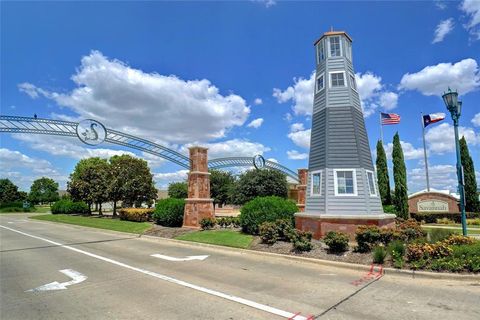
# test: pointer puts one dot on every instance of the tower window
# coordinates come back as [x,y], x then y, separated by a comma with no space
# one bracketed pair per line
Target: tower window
[337,79]
[371,183]
[320,52]
[335,47]
[353,84]
[316,188]
[345,182]
[320,84]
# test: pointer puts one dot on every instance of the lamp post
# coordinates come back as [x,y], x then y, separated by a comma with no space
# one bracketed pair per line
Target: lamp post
[455,107]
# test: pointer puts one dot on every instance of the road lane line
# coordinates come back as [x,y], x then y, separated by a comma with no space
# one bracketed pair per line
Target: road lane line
[226,296]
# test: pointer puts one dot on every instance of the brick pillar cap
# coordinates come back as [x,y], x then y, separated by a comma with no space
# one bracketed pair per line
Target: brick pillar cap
[197,147]
[302,169]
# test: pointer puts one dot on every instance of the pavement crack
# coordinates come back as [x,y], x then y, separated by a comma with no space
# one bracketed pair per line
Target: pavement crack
[346,298]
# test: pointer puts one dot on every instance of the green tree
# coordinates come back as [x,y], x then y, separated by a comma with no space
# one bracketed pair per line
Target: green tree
[178,190]
[400,179]
[382,175]
[8,191]
[260,183]
[472,203]
[43,190]
[221,186]
[130,181]
[89,182]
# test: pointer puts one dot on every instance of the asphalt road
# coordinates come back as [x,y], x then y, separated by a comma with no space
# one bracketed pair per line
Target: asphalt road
[123,281]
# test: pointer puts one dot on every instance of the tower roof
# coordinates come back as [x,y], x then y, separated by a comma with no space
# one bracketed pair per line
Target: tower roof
[333,33]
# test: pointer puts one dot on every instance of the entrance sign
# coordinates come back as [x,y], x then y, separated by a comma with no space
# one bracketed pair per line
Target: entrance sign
[432,206]
[259,162]
[91,132]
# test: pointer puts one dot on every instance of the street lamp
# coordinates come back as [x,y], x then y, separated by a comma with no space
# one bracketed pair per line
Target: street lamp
[455,108]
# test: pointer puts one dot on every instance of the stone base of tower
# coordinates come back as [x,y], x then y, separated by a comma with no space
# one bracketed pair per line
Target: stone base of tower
[196,210]
[320,225]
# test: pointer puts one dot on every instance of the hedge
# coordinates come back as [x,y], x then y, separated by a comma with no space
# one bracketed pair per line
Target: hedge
[169,212]
[66,206]
[135,214]
[432,217]
[265,209]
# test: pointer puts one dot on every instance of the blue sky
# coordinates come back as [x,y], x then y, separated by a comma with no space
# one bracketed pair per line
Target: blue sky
[234,76]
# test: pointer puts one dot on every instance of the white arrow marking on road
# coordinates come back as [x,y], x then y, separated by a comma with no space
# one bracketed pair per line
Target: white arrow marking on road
[188,258]
[76,276]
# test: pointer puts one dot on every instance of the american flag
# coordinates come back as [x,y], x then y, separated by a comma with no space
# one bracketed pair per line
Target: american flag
[390,118]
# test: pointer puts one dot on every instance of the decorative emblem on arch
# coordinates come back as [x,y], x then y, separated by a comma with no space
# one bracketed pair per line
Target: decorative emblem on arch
[91,132]
[259,162]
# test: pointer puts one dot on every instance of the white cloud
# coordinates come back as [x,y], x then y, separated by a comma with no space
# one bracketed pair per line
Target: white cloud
[12,161]
[476,120]
[388,100]
[301,95]
[255,123]
[149,105]
[440,139]
[373,95]
[472,10]
[257,101]
[231,148]
[441,5]
[301,138]
[162,180]
[295,155]
[67,147]
[441,177]
[298,126]
[409,151]
[266,3]
[463,76]
[443,28]
[273,160]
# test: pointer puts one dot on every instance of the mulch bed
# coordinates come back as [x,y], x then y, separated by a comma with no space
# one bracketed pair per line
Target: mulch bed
[167,232]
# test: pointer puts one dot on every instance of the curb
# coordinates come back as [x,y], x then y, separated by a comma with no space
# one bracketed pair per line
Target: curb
[337,264]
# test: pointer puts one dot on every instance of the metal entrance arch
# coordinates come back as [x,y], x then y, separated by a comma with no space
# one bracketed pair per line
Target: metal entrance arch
[17,124]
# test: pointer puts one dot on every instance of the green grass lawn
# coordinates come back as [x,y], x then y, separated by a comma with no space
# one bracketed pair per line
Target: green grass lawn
[94,222]
[42,209]
[227,238]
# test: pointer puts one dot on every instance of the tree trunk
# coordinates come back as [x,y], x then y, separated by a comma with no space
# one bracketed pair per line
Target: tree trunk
[100,209]
[114,208]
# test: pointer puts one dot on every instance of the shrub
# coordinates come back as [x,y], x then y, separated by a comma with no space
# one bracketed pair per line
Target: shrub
[432,217]
[302,241]
[265,209]
[135,214]
[66,206]
[367,237]
[410,230]
[269,232]
[336,241]
[445,221]
[456,239]
[208,223]
[396,249]
[169,212]
[436,235]
[474,222]
[379,253]
[389,208]
[286,230]
[448,264]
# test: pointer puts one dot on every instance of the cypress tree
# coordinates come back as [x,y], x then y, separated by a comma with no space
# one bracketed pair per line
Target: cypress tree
[471,197]
[400,179]
[382,175]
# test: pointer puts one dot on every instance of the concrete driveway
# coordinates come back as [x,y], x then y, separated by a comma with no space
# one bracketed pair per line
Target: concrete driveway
[123,281]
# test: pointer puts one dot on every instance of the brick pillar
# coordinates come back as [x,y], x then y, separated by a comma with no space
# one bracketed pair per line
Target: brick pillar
[198,205]
[302,189]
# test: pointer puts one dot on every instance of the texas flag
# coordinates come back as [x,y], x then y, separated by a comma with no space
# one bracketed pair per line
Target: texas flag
[432,118]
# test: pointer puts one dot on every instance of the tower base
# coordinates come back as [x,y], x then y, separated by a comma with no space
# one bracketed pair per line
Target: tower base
[321,224]
[196,210]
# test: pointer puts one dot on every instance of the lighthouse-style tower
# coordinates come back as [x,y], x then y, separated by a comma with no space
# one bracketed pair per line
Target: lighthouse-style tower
[342,190]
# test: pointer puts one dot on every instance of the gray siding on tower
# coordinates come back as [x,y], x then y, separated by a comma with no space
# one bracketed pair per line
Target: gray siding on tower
[339,141]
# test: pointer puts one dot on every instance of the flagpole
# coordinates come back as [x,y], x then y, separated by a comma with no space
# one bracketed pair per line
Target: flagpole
[381,128]
[425,153]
